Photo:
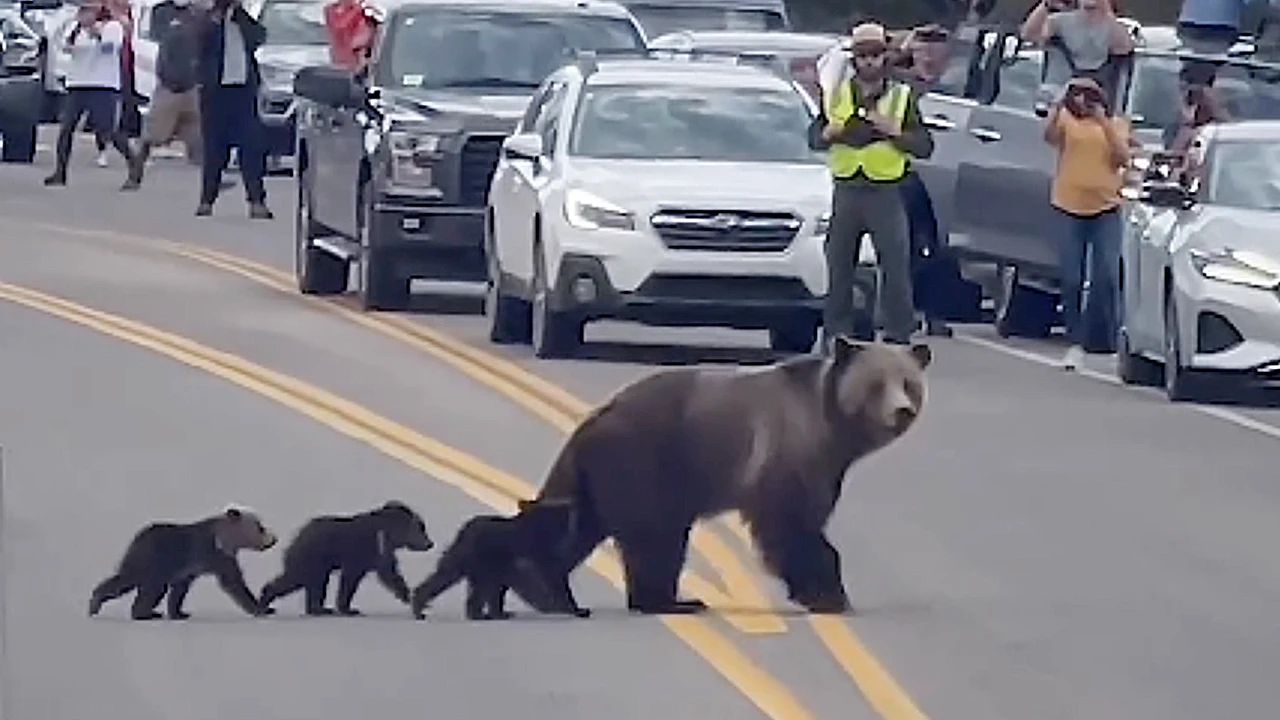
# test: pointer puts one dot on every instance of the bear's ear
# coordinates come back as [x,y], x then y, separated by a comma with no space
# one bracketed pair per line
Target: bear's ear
[922,355]
[845,349]
[233,513]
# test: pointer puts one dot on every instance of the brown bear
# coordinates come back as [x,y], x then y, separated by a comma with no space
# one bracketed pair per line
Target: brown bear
[352,546]
[166,557]
[773,443]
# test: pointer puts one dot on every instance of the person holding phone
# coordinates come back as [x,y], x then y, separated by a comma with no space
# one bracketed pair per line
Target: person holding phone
[1093,151]
[93,81]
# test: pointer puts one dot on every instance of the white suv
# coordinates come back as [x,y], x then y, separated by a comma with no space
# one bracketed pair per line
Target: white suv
[672,189]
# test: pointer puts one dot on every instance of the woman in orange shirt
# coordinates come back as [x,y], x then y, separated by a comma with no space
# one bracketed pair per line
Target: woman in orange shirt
[1093,150]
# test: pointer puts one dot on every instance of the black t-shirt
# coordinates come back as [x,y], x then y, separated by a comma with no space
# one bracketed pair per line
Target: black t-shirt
[177,32]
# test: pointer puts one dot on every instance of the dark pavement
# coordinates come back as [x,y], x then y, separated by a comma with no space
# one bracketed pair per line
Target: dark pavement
[1042,545]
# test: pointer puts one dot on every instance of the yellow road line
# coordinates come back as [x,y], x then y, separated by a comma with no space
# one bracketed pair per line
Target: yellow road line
[484,483]
[881,691]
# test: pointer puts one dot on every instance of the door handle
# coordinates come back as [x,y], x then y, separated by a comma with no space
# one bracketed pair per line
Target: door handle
[985,134]
[939,122]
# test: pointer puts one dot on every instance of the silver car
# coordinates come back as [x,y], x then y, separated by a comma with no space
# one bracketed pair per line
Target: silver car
[1201,266]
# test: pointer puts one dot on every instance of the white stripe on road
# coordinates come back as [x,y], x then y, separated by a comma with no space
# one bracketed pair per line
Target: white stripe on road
[1223,414]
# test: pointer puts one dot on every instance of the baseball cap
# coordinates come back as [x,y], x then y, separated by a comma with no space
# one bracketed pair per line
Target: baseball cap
[869,33]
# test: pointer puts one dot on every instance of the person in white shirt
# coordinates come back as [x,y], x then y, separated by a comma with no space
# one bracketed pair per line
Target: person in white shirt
[93,81]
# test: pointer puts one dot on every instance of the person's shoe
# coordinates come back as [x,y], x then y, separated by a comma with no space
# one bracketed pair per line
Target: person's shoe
[937,328]
[259,211]
[133,182]
[1073,357]
[58,179]
[204,209]
[102,159]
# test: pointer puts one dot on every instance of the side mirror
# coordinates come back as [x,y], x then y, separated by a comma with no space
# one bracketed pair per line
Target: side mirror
[525,146]
[328,85]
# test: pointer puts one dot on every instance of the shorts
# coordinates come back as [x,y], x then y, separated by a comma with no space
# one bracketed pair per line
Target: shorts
[100,106]
[172,115]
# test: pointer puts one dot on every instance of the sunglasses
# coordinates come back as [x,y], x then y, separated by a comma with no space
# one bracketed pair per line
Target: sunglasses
[869,52]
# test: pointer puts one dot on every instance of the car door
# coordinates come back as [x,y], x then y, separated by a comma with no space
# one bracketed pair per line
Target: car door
[319,126]
[529,180]
[1002,188]
[511,222]
[1151,231]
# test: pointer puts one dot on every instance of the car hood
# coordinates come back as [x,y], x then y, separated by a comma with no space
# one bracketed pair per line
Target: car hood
[279,63]
[496,109]
[1217,229]
[646,185]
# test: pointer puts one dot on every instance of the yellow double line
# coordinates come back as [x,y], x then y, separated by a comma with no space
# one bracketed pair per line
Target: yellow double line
[563,410]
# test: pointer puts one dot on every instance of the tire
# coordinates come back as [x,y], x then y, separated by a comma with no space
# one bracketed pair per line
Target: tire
[797,336]
[19,145]
[1179,382]
[510,318]
[553,334]
[1022,310]
[381,286]
[1132,368]
[316,271]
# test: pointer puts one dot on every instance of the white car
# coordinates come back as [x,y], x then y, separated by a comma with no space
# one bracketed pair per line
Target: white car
[664,189]
[1201,267]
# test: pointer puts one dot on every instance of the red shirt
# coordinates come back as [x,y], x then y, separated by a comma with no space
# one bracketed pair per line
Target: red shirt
[350,32]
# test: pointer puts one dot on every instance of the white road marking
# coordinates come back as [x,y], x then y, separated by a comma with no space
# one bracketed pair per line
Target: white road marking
[1223,414]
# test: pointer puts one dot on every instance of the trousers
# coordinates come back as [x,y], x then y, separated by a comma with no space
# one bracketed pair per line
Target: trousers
[1093,320]
[877,209]
[229,118]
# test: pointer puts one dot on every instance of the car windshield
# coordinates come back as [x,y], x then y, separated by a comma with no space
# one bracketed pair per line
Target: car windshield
[662,19]
[1245,92]
[464,48]
[665,122]
[294,23]
[1244,174]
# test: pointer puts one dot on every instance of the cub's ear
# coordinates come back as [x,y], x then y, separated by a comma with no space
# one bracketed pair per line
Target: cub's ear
[922,355]
[845,349]
[233,513]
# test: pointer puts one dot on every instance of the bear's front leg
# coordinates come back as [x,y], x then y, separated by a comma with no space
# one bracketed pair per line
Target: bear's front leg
[652,561]
[813,574]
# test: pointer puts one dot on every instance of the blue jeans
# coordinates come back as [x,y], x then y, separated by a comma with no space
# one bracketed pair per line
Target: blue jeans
[1096,238]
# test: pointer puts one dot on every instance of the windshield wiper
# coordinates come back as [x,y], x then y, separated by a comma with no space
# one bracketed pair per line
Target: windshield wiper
[486,82]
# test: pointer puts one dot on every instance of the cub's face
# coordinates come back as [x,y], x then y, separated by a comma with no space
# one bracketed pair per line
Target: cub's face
[241,529]
[880,386]
[404,528]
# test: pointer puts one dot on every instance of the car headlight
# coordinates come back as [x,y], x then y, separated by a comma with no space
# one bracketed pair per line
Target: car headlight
[589,212]
[413,154]
[1238,267]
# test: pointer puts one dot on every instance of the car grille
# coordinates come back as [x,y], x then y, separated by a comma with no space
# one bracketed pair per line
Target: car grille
[725,230]
[475,169]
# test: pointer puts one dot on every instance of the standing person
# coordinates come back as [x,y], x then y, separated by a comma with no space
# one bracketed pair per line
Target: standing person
[175,102]
[872,126]
[130,118]
[351,28]
[1199,107]
[93,85]
[1093,150]
[1088,34]
[229,80]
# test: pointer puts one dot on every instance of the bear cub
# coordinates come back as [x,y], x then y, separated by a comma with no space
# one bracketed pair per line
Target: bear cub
[352,546]
[166,557]
[493,552]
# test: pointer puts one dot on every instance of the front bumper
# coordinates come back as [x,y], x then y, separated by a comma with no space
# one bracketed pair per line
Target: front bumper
[431,240]
[1228,328]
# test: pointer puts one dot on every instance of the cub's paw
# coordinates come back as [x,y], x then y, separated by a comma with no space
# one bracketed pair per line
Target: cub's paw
[146,616]
[179,615]
[582,613]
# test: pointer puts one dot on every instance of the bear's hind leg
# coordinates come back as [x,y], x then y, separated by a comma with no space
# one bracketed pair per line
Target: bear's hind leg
[314,590]
[144,603]
[178,590]
[348,584]
[108,590]
[653,561]
[279,586]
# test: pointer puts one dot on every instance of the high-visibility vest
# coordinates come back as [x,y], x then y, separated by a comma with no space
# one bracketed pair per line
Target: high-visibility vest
[880,160]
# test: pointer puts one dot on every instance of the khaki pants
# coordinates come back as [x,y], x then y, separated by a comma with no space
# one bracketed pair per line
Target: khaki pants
[174,116]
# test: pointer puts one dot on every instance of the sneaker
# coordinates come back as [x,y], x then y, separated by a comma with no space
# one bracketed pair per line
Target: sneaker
[102,159]
[132,183]
[1073,357]
[56,179]
[204,209]
[259,211]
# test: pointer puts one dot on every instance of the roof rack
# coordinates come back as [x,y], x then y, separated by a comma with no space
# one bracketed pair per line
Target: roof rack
[587,60]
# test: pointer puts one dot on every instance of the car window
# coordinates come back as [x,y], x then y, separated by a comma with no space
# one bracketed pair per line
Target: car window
[1020,82]
[670,122]
[548,122]
[657,19]
[530,118]
[453,48]
[294,23]
[1243,174]
[1245,92]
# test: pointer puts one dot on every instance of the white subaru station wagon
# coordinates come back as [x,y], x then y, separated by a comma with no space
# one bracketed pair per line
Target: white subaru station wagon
[670,189]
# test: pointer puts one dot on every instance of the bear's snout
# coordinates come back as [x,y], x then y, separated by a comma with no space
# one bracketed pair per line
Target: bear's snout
[902,418]
[268,540]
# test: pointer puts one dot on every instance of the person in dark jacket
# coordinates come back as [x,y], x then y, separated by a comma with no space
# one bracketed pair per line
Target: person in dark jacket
[229,79]
[175,104]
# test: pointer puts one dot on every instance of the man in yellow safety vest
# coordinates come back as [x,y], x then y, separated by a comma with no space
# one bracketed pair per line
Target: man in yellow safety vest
[871,128]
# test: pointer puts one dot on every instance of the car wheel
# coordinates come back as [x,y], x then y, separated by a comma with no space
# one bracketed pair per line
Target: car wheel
[19,144]
[381,285]
[510,318]
[316,271]
[553,334]
[1023,310]
[796,336]
[1178,379]
[1132,368]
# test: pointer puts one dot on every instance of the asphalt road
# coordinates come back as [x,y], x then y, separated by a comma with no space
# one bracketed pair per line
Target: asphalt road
[1042,545]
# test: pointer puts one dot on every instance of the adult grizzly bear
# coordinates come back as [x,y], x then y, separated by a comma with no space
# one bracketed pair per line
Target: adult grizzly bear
[773,443]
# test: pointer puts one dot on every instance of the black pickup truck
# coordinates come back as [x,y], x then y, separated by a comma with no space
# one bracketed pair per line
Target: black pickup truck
[393,168]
